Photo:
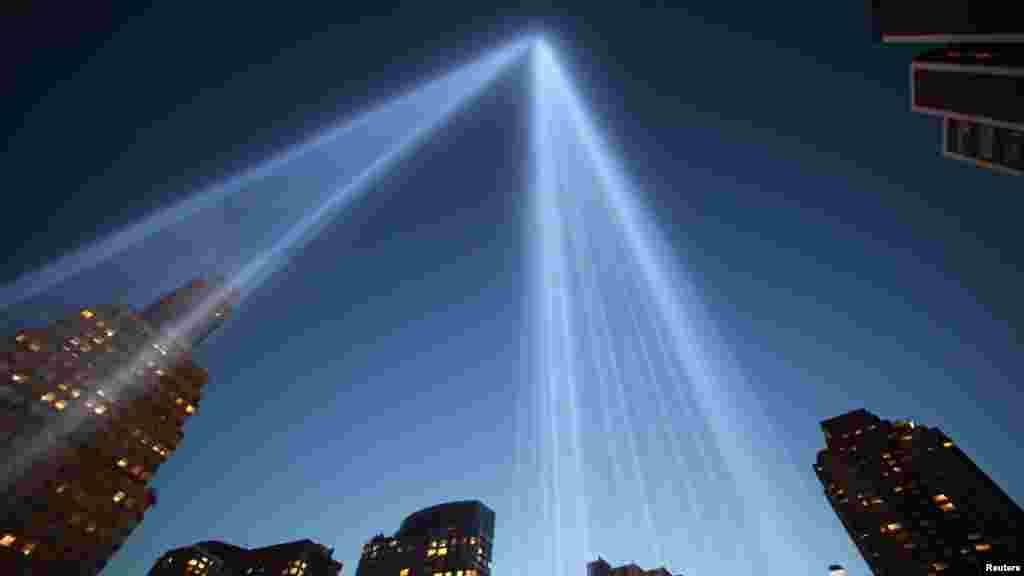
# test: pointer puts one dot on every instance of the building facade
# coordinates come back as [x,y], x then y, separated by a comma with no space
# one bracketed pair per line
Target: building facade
[299,558]
[912,502]
[600,567]
[90,407]
[452,539]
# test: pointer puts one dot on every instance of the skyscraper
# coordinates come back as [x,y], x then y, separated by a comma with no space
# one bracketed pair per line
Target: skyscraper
[912,501]
[90,407]
[299,558]
[452,539]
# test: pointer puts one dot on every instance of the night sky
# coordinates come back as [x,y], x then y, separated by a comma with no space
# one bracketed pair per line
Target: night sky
[846,264]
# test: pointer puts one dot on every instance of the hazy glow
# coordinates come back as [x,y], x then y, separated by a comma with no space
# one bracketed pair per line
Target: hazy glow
[626,360]
[461,88]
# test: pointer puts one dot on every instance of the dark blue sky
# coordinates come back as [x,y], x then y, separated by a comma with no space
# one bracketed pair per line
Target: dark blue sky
[846,264]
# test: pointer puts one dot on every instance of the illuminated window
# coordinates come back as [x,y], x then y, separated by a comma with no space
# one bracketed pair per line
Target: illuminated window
[898,489]
[19,338]
[121,462]
[60,404]
[179,401]
[940,498]
[61,488]
[907,437]
[91,527]
[431,552]
[442,551]
[190,409]
[403,572]
[472,540]
[86,313]
[75,392]
[982,547]
[892,527]
[110,333]
[100,409]
[34,346]
[939,566]
[18,377]
[119,496]
[102,392]
[947,444]
[28,548]
[159,372]
[877,500]
[7,540]
[48,397]
[948,506]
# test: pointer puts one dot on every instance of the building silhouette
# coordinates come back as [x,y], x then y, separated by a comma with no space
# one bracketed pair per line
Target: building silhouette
[600,567]
[90,407]
[299,558]
[912,502]
[970,74]
[452,539]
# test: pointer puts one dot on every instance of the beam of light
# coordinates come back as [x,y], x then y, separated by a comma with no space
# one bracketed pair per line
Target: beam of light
[66,267]
[628,367]
[433,108]
[465,86]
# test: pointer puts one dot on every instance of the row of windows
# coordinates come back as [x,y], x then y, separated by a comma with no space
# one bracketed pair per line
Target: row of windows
[137,471]
[943,502]
[119,497]
[11,541]
[295,568]
[457,573]
[197,566]
[151,444]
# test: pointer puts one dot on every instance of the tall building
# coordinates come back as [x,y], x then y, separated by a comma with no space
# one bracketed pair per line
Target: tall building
[971,76]
[299,558]
[600,567]
[452,539]
[90,407]
[912,501]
